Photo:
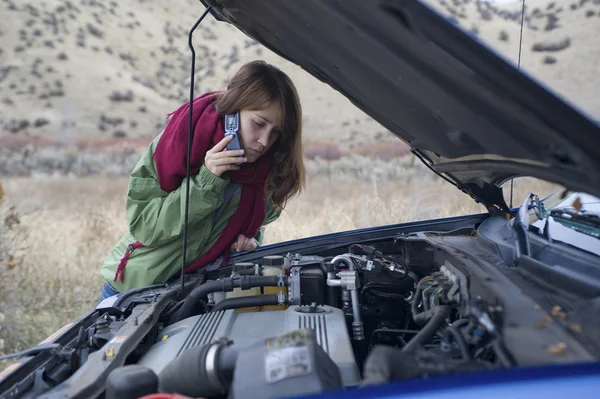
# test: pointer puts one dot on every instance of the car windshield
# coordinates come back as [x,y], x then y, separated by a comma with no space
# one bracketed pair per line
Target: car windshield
[571,217]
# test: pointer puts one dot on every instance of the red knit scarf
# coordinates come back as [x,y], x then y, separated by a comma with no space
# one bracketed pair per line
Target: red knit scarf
[170,160]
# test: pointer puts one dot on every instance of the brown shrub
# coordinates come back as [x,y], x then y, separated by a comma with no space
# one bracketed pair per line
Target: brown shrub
[17,142]
[384,150]
[323,150]
[107,143]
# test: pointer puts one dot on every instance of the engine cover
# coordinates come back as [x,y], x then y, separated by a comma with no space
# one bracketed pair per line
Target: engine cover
[246,328]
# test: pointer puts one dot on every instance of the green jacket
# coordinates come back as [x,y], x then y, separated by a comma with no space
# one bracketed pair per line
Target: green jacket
[155,219]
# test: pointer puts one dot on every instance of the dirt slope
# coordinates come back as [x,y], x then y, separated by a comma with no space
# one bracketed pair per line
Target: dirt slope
[99,68]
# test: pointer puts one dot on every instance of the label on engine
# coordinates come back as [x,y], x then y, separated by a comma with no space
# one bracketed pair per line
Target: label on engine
[287,362]
[296,337]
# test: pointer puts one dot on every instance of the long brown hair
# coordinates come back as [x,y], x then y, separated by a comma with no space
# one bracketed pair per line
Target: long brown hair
[255,86]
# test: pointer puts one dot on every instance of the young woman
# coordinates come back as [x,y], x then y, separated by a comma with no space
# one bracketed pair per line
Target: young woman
[233,194]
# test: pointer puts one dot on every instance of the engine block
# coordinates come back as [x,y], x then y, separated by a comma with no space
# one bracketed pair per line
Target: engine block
[244,328]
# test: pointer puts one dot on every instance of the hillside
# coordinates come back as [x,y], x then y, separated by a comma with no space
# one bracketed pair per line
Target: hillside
[75,71]
[560,45]
[94,68]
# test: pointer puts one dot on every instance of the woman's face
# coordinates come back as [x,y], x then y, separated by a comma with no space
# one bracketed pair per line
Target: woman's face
[259,130]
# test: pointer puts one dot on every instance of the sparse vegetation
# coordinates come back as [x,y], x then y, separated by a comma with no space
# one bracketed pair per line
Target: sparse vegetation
[95,31]
[118,96]
[552,46]
[551,23]
[15,126]
[39,122]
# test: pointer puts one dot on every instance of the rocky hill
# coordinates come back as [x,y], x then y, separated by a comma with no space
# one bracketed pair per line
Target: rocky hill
[81,74]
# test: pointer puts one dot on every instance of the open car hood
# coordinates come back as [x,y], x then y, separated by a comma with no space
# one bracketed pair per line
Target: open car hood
[465,111]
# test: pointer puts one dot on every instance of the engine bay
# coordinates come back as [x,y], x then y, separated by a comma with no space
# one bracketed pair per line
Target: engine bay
[356,311]
[408,306]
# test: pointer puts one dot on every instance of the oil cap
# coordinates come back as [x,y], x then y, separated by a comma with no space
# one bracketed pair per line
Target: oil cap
[272,260]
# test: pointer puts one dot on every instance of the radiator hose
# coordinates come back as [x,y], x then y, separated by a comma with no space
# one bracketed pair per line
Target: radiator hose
[439,314]
[192,302]
[247,301]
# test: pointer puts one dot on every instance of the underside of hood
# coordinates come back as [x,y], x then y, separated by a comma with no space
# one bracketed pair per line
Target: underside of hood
[466,112]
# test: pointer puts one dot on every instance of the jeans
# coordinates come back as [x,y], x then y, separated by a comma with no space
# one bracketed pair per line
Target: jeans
[107,291]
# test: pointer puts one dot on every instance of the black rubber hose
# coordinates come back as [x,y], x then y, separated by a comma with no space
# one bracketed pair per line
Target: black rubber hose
[414,307]
[439,315]
[452,332]
[386,364]
[191,303]
[187,375]
[203,371]
[502,354]
[247,301]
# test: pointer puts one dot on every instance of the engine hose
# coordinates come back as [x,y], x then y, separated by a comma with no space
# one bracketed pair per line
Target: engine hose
[501,354]
[204,371]
[190,304]
[333,293]
[386,364]
[246,301]
[201,371]
[439,315]
[372,287]
[452,332]
[414,307]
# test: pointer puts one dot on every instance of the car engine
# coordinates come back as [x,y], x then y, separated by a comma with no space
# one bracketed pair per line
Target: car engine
[243,329]
[293,325]
[338,316]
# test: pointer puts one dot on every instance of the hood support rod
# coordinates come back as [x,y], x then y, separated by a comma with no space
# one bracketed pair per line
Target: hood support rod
[189,147]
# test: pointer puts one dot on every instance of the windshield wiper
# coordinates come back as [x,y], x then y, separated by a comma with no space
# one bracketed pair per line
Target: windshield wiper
[586,223]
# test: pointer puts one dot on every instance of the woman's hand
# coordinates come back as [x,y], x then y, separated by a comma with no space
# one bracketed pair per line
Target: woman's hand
[218,159]
[244,243]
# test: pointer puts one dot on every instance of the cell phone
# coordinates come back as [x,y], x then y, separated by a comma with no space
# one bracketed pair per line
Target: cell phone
[232,128]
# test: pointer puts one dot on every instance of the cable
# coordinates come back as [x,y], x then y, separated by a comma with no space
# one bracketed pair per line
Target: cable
[189,147]
[518,67]
[521,35]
